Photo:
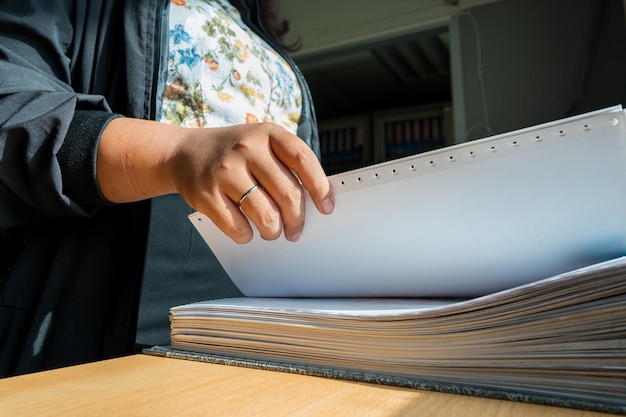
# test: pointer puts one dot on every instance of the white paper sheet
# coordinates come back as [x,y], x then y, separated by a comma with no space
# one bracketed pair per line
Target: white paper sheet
[597,276]
[461,221]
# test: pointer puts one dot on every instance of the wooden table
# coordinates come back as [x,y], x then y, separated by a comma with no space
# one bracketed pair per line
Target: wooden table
[150,386]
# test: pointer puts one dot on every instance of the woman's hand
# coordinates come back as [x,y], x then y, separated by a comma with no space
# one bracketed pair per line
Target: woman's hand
[212,169]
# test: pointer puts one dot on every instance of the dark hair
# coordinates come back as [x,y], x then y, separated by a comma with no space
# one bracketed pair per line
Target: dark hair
[276,26]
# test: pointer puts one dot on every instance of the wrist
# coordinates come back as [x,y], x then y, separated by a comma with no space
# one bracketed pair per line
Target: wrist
[134,160]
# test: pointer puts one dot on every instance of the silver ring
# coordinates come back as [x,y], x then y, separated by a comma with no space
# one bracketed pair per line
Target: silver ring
[247,193]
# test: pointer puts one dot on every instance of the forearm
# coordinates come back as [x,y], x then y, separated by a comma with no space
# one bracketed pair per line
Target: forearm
[134,160]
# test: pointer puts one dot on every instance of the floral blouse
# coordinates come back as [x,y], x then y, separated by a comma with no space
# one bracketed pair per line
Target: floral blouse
[221,73]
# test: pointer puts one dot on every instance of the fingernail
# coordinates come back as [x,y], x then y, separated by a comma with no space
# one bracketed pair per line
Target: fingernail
[295,237]
[327,206]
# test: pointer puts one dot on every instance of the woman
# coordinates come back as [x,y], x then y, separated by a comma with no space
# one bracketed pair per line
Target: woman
[90,133]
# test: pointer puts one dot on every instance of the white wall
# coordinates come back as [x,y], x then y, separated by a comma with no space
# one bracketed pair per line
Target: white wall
[515,63]
[327,26]
[524,62]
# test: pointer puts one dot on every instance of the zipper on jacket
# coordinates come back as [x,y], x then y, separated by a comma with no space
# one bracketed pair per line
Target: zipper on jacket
[159,69]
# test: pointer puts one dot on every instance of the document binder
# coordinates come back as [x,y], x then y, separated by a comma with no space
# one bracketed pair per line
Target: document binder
[460,221]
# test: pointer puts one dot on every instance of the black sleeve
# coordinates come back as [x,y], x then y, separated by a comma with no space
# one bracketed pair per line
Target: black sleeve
[77,156]
[48,132]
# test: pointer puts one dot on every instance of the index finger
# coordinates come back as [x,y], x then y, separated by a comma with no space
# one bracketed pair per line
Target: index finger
[298,157]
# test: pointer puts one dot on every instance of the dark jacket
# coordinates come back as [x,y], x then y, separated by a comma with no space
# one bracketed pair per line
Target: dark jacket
[70,262]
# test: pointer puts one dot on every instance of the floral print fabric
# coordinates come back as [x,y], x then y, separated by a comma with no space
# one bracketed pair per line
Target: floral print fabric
[221,73]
